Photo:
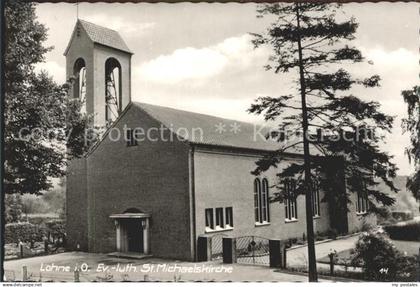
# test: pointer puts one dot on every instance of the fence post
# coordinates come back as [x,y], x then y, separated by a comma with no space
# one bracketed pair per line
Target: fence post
[274,253]
[24,273]
[76,276]
[204,248]
[229,250]
[283,247]
[331,256]
[46,246]
[21,249]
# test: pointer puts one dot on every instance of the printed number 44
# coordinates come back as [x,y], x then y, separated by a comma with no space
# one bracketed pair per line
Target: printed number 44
[383,270]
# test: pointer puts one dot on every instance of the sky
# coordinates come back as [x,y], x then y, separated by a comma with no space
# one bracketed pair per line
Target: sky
[198,57]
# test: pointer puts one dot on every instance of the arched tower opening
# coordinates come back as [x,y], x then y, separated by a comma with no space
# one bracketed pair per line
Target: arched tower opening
[112,89]
[79,86]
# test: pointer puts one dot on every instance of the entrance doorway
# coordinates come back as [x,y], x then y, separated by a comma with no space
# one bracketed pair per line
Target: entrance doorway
[132,232]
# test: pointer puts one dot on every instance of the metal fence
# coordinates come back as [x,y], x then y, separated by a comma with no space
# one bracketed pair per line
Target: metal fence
[26,275]
[217,247]
[252,250]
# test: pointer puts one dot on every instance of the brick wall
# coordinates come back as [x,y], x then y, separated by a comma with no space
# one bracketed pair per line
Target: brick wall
[223,179]
[76,205]
[152,177]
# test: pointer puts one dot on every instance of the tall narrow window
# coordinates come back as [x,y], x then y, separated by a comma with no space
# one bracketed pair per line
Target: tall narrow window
[315,201]
[229,217]
[209,218]
[290,203]
[362,204]
[219,218]
[261,201]
[265,201]
[112,90]
[257,191]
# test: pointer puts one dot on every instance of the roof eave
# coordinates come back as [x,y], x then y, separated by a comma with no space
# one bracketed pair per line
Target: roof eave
[66,51]
[244,149]
[121,50]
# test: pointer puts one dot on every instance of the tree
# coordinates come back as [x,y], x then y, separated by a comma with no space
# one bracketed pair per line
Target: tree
[14,208]
[411,124]
[44,127]
[34,204]
[308,40]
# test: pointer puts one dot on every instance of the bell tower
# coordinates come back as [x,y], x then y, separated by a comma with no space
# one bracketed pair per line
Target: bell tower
[98,63]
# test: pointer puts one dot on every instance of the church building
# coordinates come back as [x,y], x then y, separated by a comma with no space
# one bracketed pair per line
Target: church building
[160,177]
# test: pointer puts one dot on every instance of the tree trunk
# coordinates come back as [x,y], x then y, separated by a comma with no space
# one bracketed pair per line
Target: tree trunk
[313,277]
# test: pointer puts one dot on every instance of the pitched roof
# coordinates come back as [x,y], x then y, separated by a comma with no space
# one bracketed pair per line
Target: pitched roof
[101,35]
[209,130]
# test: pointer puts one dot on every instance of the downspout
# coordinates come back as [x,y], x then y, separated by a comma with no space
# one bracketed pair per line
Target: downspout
[192,202]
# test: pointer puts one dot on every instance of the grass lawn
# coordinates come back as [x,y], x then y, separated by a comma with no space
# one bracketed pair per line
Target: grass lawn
[411,247]
[343,256]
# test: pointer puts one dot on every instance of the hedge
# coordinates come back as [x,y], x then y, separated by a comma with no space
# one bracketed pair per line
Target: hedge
[402,215]
[23,231]
[39,219]
[409,231]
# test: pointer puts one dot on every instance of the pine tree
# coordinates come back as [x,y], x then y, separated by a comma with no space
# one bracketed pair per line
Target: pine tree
[322,116]
[411,124]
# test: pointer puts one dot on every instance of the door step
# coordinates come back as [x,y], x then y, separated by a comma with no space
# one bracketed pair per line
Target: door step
[129,255]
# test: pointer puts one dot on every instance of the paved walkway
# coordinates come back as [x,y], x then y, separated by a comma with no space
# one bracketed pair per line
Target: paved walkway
[298,257]
[102,267]
[150,269]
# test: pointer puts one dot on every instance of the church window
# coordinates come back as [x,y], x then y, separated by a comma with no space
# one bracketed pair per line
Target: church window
[315,201]
[265,201]
[209,218]
[362,204]
[261,201]
[257,187]
[219,218]
[290,202]
[229,217]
